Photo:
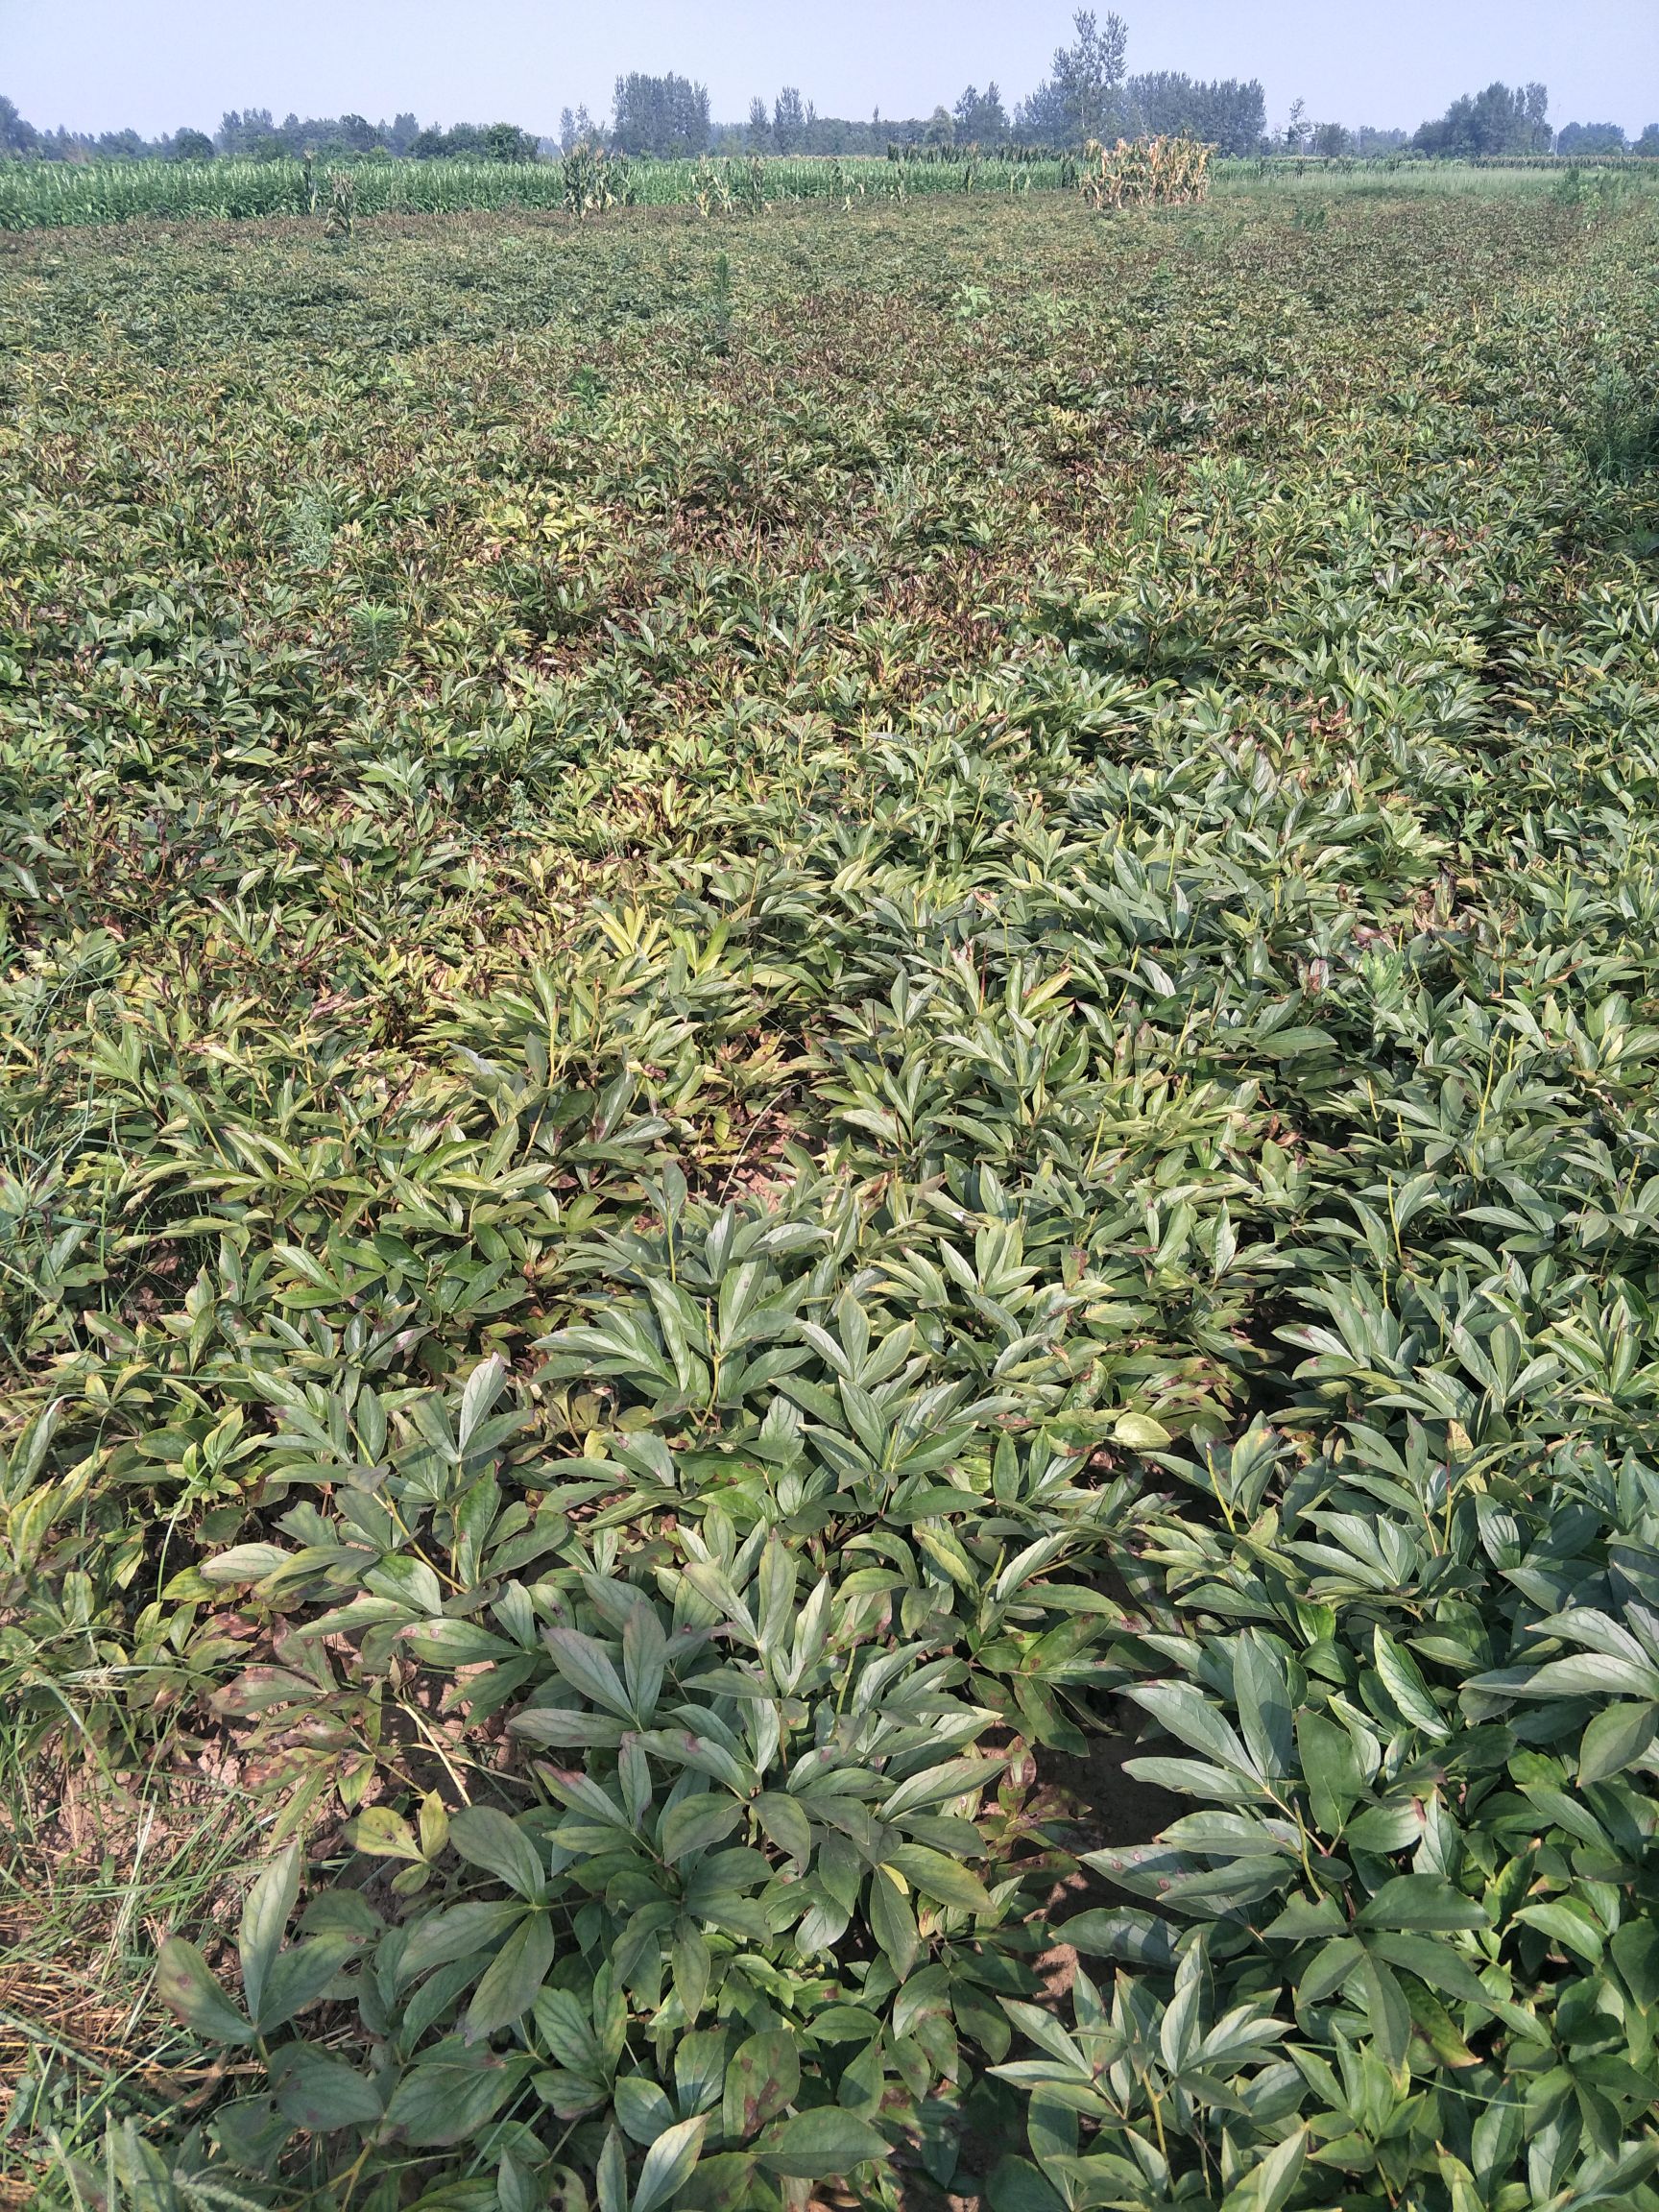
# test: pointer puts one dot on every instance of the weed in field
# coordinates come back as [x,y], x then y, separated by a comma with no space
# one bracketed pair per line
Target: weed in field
[720,307]
[1621,430]
[312,527]
[377,634]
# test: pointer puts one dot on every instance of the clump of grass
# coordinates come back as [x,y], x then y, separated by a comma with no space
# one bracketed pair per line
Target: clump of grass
[312,523]
[1620,436]
[720,309]
[95,1867]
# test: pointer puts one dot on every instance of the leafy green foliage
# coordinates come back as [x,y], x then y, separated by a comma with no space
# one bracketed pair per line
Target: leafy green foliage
[747,1085]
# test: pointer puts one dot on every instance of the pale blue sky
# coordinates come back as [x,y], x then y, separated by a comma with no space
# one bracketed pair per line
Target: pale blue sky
[98,64]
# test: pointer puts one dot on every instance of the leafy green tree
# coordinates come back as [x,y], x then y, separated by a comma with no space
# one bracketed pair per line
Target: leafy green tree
[16,136]
[982,119]
[1083,97]
[1501,120]
[789,121]
[122,146]
[476,142]
[576,128]
[1591,138]
[506,142]
[1227,114]
[1090,74]
[250,134]
[662,115]
[760,129]
[1648,142]
[190,146]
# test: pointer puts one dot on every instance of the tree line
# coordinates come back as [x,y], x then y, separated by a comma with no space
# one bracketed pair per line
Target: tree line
[253,134]
[1506,119]
[1088,94]
[1503,120]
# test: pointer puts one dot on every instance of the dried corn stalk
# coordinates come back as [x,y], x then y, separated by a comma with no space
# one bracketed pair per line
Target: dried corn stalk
[1146,173]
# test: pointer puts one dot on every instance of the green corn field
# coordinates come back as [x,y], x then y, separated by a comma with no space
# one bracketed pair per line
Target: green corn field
[829,1188]
[37,195]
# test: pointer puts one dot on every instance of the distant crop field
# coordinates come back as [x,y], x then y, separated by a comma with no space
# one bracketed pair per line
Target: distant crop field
[36,195]
[39,195]
[830,1196]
